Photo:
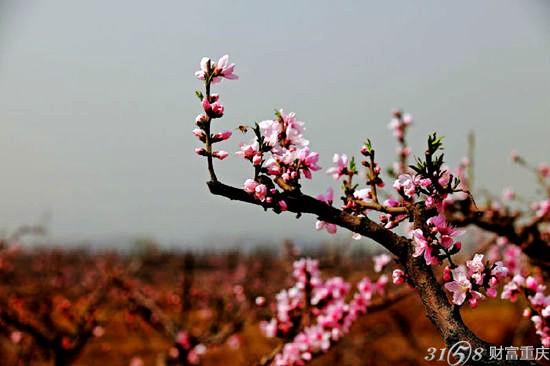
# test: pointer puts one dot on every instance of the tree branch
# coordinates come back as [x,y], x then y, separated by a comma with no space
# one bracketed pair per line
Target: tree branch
[445,316]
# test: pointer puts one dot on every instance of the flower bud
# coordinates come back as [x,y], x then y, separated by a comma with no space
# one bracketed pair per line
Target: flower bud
[201,151]
[221,136]
[200,134]
[221,154]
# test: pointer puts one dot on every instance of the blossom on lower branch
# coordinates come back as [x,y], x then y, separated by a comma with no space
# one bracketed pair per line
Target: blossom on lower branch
[538,309]
[313,314]
[327,198]
[468,281]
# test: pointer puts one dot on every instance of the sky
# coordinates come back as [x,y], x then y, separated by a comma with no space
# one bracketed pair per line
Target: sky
[97,103]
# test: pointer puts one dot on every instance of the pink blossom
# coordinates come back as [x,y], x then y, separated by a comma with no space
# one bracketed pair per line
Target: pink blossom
[380,261]
[544,170]
[269,328]
[221,154]
[330,228]
[542,208]
[460,286]
[422,246]
[369,289]
[201,119]
[248,151]
[200,134]
[475,296]
[260,192]
[224,69]
[270,131]
[508,194]
[341,163]
[136,361]
[221,69]
[221,136]
[475,265]
[390,202]
[510,291]
[398,276]
[499,270]
[531,283]
[293,129]
[327,197]
[213,107]
[257,160]
[16,337]
[260,301]
[407,183]
[445,178]
[309,161]
[447,275]
[250,185]
[363,194]
[98,331]
[203,72]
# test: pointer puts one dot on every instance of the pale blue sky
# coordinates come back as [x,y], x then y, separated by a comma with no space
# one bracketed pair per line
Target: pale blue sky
[97,102]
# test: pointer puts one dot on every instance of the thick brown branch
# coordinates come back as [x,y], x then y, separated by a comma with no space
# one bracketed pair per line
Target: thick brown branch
[300,203]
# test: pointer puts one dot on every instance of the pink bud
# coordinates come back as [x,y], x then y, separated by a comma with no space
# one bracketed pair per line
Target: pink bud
[250,185]
[282,205]
[446,274]
[260,192]
[212,107]
[221,136]
[200,134]
[221,154]
[407,119]
[201,151]
[260,301]
[531,283]
[257,159]
[398,277]
[201,119]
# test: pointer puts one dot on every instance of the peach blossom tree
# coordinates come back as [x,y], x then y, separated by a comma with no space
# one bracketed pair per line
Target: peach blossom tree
[425,199]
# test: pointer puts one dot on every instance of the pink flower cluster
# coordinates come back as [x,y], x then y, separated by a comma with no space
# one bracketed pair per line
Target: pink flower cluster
[440,238]
[508,253]
[323,303]
[280,151]
[539,304]
[216,71]
[528,286]
[183,344]
[340,167]
[399,124]
[468,281]
[212,108]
